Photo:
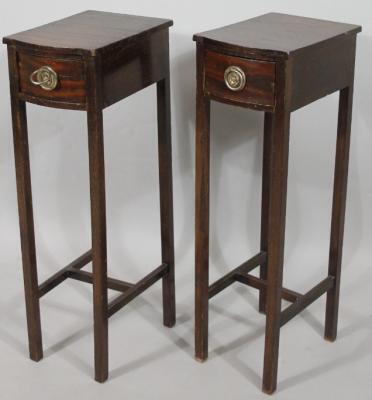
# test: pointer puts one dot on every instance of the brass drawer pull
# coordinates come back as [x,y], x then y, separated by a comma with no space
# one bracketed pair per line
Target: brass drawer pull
[235,78]
[45,77]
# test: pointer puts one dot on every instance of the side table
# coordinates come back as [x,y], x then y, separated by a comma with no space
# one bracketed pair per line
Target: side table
[274,63]
[88,62]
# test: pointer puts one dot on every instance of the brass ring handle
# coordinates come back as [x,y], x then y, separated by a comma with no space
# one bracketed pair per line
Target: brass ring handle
[45,77]
[235,78]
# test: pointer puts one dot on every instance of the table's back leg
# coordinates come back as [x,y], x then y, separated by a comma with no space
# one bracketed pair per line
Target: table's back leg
[26,220]
[338,209]
[166,199]
[202,158]
[265,202]
[98,217]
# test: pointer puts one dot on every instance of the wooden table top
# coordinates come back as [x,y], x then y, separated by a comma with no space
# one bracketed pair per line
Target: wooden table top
[278,33]
[88,32]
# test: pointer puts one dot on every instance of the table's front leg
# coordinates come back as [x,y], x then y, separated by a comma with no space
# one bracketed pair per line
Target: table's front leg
[277,151]
[202,150]
[25,210]
[98,217]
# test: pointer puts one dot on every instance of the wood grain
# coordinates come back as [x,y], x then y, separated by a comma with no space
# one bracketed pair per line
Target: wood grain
[25,211]
[71,85]
[260,80]
[276,35]
[88,33]
[290,62]
[100,58]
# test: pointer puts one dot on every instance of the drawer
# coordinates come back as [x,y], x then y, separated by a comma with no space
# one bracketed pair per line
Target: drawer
[64,78]
[239,80]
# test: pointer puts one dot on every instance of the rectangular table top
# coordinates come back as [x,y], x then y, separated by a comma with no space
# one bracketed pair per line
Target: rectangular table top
[279,33]
[88,32]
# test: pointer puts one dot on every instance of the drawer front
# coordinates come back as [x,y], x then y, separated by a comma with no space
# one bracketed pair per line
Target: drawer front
[240,80]
[64,79]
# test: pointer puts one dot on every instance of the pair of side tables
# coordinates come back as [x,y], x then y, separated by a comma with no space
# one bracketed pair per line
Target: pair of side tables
[274,63]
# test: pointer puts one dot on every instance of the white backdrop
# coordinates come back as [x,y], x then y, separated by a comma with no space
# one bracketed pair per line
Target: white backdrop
[144,355]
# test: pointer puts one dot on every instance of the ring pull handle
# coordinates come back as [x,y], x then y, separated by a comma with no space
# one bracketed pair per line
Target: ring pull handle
[235,78]
[45,77]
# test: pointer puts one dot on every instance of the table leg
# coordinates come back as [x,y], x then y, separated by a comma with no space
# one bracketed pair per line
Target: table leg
[25,210]
[338,209]
[98,218]
[278,148]
[202,149]
[265,203]
[166,199]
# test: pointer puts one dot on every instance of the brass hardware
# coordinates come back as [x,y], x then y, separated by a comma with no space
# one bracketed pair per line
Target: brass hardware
[45,77]
[235,78]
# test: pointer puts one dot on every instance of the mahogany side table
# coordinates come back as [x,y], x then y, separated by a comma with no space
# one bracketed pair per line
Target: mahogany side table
[274,63]
[88,62]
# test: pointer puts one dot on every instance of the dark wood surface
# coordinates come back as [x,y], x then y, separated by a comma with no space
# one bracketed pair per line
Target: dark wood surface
[259,89]
[25,211]
[135,66]
[277,34]
[339,207]
[166,193]
[98,215]
[88,32]
[202,183]
[278,152]
[322,70]
[320,67]
[265,199]
[71,78]
[99,58]
[134,56]
[310,59]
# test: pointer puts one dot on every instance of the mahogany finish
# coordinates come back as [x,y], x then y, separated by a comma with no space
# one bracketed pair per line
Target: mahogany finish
[89,33]
[288,62]
[275,35]
[100,58]
[259,90]
[71,84]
